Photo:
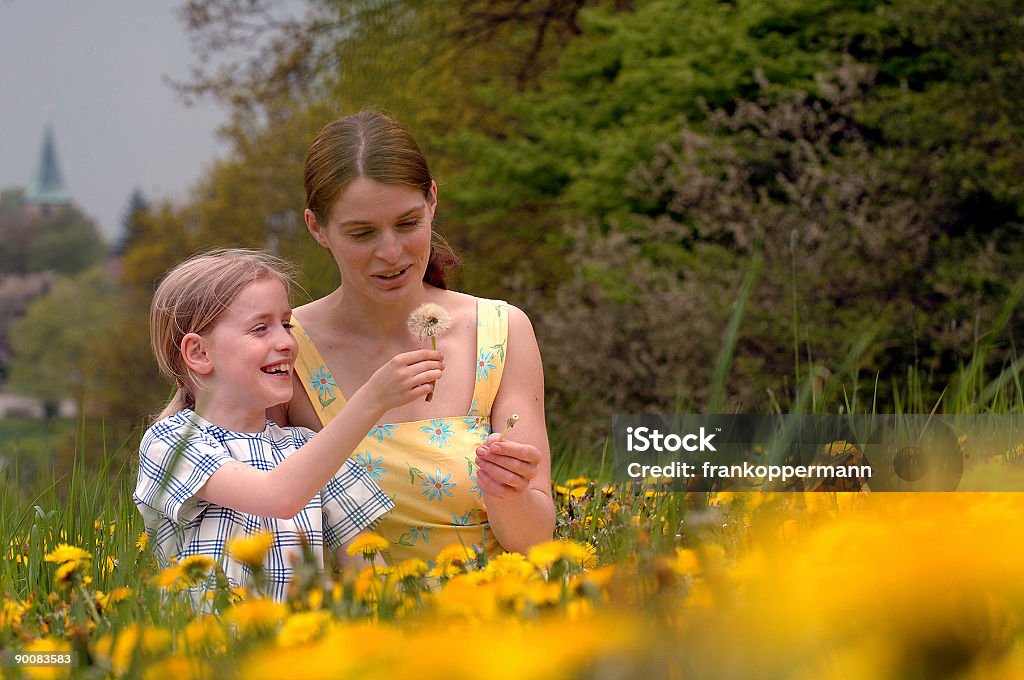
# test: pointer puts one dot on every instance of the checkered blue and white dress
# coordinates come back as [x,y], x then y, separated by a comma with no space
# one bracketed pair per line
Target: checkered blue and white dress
[179,453]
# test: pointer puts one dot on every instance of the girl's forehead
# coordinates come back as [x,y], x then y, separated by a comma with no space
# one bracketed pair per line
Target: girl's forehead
[268,293]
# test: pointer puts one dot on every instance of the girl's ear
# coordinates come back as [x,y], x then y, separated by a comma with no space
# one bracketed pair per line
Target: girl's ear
[314,228]
[193,351]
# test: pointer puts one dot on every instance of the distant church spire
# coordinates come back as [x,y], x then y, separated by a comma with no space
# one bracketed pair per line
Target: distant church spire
[47,189]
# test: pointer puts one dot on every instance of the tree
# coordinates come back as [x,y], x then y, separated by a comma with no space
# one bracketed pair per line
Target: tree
[52,343]
[66,242]
[131,222]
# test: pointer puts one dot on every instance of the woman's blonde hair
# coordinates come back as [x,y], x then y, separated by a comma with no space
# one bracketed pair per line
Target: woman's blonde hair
[190,299]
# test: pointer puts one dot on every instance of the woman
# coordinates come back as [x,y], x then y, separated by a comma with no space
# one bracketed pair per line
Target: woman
[370,200]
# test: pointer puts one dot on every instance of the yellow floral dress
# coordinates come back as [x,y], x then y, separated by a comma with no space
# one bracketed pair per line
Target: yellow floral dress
[426,466]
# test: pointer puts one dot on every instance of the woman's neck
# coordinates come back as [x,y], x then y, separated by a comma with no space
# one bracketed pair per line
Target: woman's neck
[361,316]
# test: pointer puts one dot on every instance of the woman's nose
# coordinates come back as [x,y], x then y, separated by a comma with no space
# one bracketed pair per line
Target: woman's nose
[389,248]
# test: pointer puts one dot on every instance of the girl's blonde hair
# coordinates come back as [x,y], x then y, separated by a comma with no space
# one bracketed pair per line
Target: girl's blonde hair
[190,299]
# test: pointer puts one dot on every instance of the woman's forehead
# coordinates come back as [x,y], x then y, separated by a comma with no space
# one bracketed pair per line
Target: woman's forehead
[367,200]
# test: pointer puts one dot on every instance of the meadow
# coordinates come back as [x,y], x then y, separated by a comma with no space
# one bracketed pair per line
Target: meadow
[641,581]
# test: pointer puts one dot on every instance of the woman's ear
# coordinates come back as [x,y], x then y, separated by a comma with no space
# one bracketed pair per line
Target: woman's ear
[314,228]
[193,351]
[432,195]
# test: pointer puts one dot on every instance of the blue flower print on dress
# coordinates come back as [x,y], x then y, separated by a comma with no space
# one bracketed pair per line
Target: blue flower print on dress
[437,486]
[321,382]
[483,364]
[383,430]
[373,466]
[474,423]
[463,520]
[414,534]
[439,432]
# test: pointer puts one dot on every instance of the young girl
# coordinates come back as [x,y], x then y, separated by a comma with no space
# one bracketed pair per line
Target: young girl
[213,467]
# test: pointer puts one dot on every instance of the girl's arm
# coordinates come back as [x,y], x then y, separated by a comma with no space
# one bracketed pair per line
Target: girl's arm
[515,474]
[285,490]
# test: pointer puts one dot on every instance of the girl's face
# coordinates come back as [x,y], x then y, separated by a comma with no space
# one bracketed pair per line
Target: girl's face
[379,235]
[250,352]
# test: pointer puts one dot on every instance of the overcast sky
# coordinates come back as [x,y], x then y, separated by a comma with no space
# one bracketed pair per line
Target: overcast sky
[99,66]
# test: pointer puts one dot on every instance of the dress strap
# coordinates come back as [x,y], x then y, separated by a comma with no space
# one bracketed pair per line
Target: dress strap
[491,340]
[321,387]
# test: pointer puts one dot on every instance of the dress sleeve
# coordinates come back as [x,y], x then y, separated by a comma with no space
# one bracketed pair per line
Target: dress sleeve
[174,463]
[352,501]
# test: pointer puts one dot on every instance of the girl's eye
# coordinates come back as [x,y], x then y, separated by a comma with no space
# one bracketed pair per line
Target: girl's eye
[258,328]
[288,325]
[360,235]
[410,225]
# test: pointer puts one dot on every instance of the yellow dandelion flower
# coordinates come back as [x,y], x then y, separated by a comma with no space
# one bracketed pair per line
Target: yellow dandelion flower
[545,554]
[511,564]
[315,599]
[11,614]
[168,577]
[203,633]
[116,595]
[194,569]
[368,586]
[65,553]
[577,481]
[561,490]
[455,554]
[67,571]
[410,568]
[250,550]
[367,544]
[303,628]
[444,571]
[142,541]
[256,615]
[579,492]
[686,562]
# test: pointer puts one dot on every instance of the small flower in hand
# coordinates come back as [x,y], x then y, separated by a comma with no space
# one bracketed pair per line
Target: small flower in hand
[509,424]
[428,321]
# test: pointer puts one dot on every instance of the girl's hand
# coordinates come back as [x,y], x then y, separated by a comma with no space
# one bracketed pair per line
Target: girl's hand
[506,467]
[404,379]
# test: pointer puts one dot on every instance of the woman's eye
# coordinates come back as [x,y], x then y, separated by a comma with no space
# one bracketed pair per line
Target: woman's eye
[259,328]
[360,235]
[409,225]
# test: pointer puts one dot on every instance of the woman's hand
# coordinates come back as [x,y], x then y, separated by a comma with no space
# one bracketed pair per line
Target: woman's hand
[506,468]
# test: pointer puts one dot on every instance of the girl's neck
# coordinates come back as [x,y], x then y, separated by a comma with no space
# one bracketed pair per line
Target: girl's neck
[224,415]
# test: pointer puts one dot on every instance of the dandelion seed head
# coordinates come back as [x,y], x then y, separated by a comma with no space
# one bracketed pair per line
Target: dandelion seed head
[429,320]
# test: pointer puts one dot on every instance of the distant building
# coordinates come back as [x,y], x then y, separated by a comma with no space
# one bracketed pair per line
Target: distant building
[47,192]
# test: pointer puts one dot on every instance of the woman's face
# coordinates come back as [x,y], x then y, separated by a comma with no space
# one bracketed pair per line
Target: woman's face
[379,235]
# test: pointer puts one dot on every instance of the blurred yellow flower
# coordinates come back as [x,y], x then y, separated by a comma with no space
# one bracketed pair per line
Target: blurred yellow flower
[250,550]
[116,595]
[194,569]
[545,554]
[410,568]
[256,615]
[303,628]
[142,541]
[577,481]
